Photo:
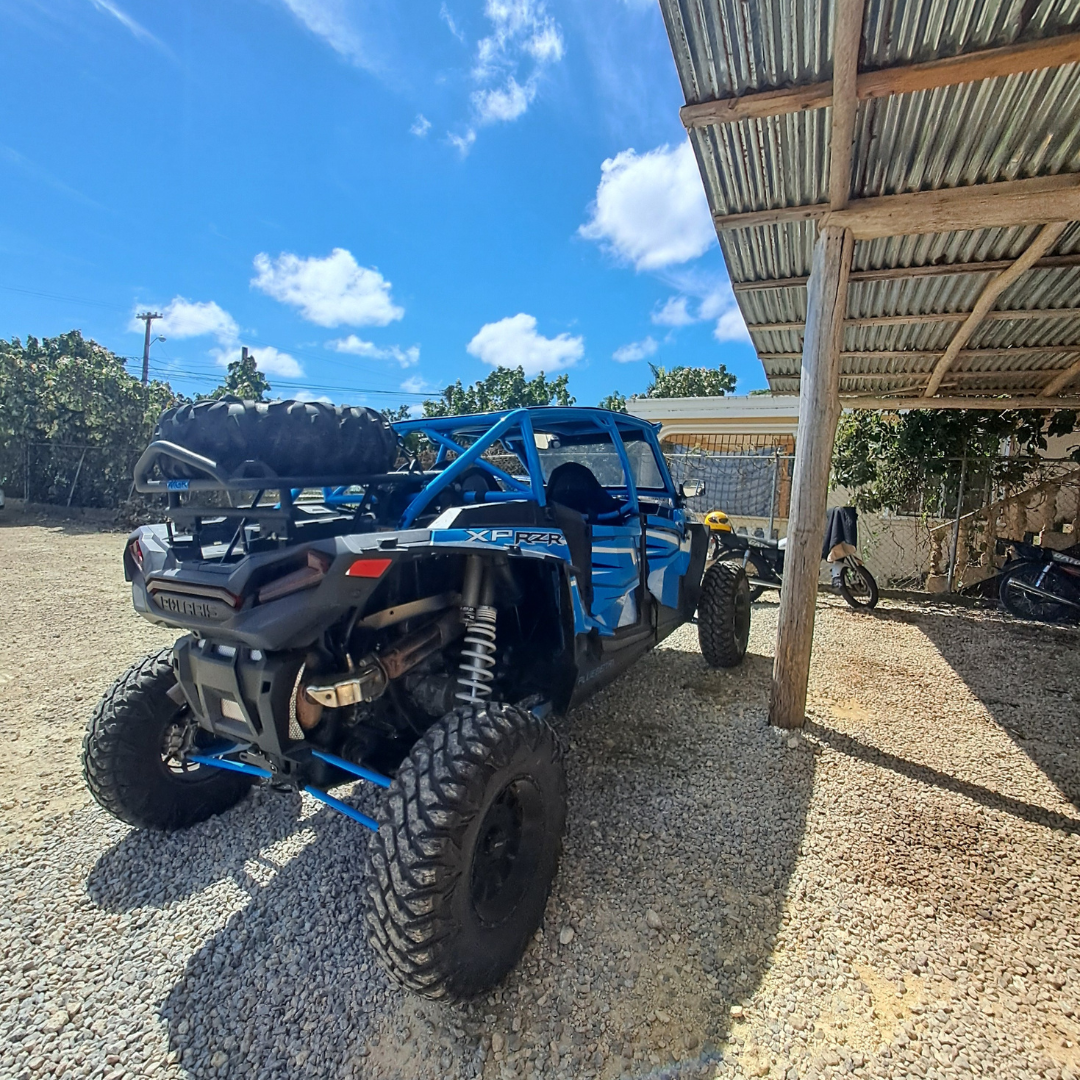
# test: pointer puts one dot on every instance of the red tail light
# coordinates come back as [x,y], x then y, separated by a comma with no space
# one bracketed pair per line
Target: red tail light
[136,553]
[368,568]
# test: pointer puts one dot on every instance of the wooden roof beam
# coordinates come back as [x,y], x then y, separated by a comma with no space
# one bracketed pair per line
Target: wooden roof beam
[1004,204]
[905,79]
[934,354]
[1047,237]
[847,41]
[894,273]
[1006,401]
[1025,315]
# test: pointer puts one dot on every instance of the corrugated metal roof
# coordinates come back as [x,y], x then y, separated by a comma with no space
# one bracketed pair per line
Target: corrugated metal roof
[999,129]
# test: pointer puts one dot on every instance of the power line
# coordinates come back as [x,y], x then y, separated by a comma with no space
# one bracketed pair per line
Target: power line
[298,384]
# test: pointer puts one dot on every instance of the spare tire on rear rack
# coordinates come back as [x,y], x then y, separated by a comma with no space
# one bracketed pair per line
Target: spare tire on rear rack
[292,438]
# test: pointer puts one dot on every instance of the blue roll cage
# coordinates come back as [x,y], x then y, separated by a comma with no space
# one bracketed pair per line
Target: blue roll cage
[518,422]
[512,427]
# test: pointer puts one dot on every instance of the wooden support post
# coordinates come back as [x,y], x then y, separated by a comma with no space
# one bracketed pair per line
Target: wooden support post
[819,411]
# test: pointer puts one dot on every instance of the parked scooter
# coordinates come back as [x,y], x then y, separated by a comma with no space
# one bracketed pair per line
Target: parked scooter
[1038,583]
[763,558]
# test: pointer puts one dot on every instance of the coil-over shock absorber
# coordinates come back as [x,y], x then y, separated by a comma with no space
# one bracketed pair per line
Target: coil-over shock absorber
[477,657]
[478,654]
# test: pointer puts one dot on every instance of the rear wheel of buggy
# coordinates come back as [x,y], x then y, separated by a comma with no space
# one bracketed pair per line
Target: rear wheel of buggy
[724,615]
[135,754]
[467,848]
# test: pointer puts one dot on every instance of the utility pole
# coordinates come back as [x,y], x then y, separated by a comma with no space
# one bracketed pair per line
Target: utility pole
[147,317]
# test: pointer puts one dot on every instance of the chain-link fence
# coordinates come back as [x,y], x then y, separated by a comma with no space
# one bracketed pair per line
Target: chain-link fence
[67,474]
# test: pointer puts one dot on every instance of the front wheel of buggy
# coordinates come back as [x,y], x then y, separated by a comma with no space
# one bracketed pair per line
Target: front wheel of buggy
[135,754]
[467,848]
[724,615]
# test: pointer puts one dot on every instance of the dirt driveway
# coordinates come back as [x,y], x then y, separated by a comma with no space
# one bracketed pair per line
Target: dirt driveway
[892,893]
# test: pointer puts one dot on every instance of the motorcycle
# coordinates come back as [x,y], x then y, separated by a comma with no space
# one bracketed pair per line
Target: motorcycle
[763,560]
[1038,583]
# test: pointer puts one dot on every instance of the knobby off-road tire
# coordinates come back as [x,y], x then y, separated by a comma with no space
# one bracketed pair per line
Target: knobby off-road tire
[858,587]
[467,848]
[123,749]
[751,571]
[724,615]
[293,438]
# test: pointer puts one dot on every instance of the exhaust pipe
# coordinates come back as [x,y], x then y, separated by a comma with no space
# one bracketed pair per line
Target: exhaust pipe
[371,676]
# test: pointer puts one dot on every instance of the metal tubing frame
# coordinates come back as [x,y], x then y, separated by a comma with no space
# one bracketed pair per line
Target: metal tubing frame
[464,461]
[350,767]
[342,808]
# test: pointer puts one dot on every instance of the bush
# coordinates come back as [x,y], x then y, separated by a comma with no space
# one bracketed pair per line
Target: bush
[66,400]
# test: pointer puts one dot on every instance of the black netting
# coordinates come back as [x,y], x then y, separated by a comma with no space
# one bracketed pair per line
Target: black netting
[746,485]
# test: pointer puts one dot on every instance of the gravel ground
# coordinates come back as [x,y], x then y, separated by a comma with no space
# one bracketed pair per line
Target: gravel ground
[892,893]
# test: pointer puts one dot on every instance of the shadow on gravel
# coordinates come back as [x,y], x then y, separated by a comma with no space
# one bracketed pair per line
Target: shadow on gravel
[1028,677]
[685,810]
[154,869]
[994,800]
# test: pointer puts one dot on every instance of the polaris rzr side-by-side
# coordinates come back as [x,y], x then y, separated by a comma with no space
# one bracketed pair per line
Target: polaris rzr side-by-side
[411,605]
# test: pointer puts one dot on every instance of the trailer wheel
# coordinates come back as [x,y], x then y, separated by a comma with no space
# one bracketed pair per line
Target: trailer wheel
[724,615]
[467,849]
[135,748]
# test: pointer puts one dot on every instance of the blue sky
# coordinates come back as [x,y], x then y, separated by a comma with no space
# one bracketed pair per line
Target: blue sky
[377,197]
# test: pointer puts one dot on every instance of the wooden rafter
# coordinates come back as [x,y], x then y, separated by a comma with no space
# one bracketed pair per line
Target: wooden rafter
[847,41]
[896,273]
[976,206]
[1061,380]
[939,317]
[906,79]
[1048,236]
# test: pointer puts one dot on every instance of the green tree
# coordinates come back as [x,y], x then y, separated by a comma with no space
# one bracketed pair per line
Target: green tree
[398,412]
[504,388]
[888,458]
[63,394]
[244,380]
[614,401]
[690,382]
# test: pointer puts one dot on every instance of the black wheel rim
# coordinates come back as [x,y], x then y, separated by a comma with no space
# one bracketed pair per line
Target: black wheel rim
[856,584]
[508,847]
[181,738]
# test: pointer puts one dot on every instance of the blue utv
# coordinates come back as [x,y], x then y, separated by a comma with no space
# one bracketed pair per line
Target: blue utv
[410,605]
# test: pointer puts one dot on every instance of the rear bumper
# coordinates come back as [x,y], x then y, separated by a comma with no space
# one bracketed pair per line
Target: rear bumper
[241,694]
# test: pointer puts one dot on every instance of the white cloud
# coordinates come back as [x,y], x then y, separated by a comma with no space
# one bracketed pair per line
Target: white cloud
[421,126]
[674,312]
[354,346]
[415,385]
[136,28]
[636,350]
[514,342]
[332,291]
[650,209]
[731,327]
[503,104]
[187,318]
[268,360]
[462,143]
[307,395]
[444,14]
[524,41]
[329,19]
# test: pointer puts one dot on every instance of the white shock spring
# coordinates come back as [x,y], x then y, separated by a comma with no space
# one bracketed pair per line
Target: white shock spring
[477,657]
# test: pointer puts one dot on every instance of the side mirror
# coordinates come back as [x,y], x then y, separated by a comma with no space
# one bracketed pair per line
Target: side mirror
[691,489]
